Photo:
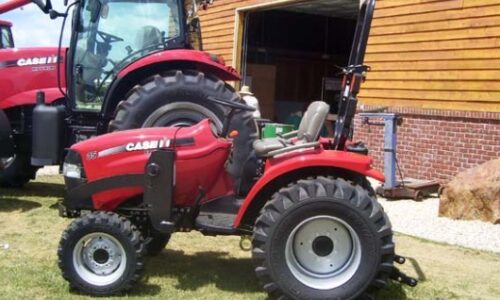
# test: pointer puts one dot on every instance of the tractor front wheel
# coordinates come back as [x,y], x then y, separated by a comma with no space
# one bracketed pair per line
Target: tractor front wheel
[101,254]
[323,239]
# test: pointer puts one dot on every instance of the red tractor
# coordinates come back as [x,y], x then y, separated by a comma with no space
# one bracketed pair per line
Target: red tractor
[317,229]
[130,64]
[6,40]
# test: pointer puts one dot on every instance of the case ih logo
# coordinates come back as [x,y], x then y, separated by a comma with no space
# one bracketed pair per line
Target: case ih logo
[45,60]
[148,145]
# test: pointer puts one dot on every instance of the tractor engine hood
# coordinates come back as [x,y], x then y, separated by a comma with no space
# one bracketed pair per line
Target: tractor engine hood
[109,157]
[126,152]
[24,71]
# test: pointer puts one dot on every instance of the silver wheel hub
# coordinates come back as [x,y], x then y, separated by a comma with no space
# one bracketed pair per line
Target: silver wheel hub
[99,259]
[323,252]
[156,117]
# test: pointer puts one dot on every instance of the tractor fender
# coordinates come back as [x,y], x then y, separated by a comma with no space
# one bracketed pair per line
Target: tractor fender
[160,62]
[277,168]
[204,61]
[7,148]
[29,98]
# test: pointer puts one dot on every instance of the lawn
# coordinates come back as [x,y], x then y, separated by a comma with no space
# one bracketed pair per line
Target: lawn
[198,267]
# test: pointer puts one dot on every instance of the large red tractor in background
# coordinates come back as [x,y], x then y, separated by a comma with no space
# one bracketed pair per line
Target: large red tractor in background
[317,229]
[130,64]
[6,39]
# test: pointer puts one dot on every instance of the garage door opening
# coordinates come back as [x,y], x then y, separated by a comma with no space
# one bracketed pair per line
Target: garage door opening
[291,55]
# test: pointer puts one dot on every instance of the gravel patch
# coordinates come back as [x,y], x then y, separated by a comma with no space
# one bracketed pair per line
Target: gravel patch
[421,219]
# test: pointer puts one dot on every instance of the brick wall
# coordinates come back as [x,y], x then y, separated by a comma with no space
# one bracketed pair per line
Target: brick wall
[436,144]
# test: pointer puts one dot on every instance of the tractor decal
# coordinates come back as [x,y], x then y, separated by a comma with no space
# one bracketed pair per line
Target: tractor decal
[31,61]
[148,145]
[164,143]
[45,60]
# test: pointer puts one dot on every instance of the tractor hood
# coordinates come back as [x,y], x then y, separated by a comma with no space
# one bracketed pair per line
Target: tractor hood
[126,152]
[109,157]
[24,71]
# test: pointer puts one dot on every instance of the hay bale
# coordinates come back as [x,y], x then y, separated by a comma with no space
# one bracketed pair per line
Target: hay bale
[473,194]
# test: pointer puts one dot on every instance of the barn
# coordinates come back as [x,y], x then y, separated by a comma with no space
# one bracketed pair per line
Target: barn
[434,62]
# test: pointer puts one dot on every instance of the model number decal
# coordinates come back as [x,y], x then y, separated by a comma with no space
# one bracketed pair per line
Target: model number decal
[148,145]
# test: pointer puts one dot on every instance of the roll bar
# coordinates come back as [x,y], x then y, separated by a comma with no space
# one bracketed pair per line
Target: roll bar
[354,76]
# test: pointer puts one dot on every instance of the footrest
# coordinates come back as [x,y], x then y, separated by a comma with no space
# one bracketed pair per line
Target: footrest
[215,223]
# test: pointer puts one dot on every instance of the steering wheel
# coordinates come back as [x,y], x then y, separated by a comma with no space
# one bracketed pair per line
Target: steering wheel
[109,38]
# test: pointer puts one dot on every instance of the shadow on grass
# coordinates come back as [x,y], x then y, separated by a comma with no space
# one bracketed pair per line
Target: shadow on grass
[393,291]
[35,189]
[203,268]
[9,205]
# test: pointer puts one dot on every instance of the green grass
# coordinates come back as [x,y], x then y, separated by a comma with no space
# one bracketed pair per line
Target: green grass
[198,267]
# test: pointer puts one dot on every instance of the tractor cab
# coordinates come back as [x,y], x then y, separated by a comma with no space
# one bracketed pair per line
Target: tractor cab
[6,40]
[110,34]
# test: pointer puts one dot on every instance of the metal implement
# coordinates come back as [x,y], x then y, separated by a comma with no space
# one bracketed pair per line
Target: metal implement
[392,188]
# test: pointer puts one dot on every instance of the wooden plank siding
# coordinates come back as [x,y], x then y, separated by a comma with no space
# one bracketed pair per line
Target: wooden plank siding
[437,54]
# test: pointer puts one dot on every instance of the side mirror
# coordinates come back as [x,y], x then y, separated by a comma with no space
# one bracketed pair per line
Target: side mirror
[44,5]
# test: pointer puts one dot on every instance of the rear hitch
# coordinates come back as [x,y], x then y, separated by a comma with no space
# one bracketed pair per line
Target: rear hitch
[401,277]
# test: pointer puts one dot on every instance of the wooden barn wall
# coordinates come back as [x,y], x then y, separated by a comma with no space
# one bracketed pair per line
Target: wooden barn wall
[439,54]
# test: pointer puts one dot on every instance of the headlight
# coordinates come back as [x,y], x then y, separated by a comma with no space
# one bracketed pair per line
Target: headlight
[72,170]
[73,167]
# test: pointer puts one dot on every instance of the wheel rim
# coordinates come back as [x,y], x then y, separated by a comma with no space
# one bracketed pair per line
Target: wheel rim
[323,252]
[6,162]
[99,259]
[171,115]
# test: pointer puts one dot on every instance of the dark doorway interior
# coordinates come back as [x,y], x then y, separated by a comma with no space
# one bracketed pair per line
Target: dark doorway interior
[292,58]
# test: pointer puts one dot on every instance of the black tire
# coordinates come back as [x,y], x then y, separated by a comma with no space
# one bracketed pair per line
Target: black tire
[157,243]
[289,212]
[102,225]
[18,172]
[176,98]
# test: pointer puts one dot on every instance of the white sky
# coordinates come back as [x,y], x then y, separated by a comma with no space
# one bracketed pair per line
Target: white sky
[31,27]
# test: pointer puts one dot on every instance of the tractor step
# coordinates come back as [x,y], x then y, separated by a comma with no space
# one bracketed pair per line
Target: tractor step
[213,223]
[228,205]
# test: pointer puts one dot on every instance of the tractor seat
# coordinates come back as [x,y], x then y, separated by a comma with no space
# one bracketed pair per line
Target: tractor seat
[306,136]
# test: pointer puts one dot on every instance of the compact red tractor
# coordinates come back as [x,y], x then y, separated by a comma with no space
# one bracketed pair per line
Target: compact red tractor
[317,229]
[130,64]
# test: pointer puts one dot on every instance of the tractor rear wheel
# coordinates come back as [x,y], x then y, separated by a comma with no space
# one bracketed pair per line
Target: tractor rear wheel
[101,254]
[323,239]
[16,171]
[175,99]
